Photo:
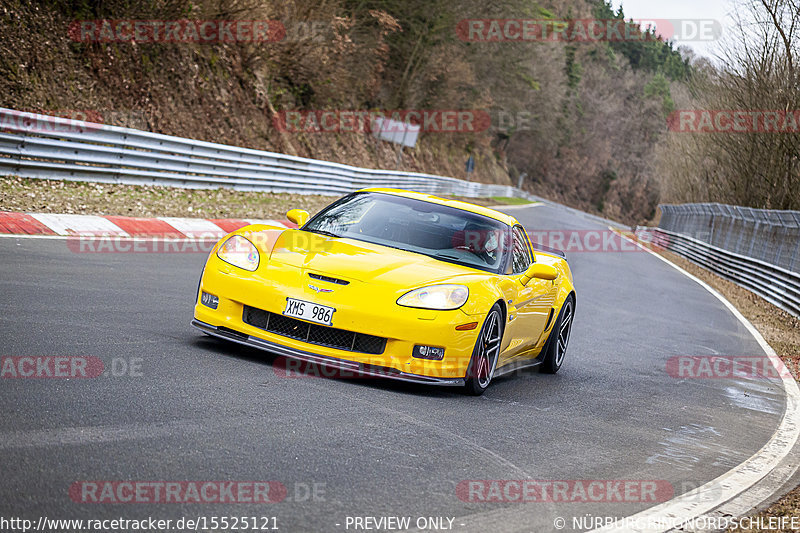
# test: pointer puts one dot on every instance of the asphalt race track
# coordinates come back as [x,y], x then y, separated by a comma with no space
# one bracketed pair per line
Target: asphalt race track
[176,405]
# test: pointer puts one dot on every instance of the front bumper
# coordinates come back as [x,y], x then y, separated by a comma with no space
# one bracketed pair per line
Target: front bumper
[361,308]
[329,362]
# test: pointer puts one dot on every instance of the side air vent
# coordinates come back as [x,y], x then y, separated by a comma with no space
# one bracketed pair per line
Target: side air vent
[549,318]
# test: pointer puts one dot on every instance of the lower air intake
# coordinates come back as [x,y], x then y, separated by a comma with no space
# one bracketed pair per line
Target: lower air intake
[313,333]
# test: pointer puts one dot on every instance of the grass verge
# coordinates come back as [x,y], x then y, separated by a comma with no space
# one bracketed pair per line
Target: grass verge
[76,197]
[506,200]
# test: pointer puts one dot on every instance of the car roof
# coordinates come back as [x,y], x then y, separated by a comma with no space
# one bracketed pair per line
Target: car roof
[464,206]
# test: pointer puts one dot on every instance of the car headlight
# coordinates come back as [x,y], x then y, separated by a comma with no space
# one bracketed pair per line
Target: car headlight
[239,252]
[441,297]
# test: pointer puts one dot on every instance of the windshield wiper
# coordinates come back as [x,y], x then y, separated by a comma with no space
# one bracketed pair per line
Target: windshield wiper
[445,256]
[323,232]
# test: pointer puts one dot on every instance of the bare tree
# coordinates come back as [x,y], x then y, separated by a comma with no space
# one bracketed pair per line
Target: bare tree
[756,73]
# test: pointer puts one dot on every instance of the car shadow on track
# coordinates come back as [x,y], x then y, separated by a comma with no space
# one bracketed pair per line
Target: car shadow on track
[515,386]
[223,347]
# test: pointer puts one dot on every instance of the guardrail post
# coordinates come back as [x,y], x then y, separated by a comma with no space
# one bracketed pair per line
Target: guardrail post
[711,231]
[741,236]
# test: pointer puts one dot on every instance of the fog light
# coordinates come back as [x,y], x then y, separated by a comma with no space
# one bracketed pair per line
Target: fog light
[209,300]
[428,352]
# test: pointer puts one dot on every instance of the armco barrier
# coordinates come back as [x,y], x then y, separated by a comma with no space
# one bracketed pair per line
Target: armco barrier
[777,285]
[770,235]
[41,146]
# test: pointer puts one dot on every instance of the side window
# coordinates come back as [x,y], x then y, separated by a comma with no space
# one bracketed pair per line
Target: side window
[520,254]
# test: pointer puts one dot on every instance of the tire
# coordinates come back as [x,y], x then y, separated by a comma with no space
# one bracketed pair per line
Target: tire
[485,354]
[556,347]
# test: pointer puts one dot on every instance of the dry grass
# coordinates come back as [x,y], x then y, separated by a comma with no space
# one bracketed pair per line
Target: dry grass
[55,196]
[73,197]
[788,506]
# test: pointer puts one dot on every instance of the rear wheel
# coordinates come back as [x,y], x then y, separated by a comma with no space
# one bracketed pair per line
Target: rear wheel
[559,338]
[485,354]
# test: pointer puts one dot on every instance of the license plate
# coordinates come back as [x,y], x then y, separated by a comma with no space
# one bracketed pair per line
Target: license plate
[321,314]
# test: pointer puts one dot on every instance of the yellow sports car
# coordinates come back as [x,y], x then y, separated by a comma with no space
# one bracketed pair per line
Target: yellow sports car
[395,284]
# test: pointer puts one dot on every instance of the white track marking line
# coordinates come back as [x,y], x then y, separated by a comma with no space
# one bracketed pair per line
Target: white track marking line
[79,224]
[195,227]
[735,481]
[26,236]
[265,222]
[113,237]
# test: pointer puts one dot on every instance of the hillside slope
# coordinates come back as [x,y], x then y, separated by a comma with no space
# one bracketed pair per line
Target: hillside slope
[579,119]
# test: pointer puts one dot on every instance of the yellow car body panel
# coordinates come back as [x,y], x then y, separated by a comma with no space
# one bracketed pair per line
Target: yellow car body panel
[377,276]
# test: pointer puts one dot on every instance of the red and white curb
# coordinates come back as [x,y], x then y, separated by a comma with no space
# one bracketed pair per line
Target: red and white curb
[178,228]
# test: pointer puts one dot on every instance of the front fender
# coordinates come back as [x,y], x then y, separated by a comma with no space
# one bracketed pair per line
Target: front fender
[483,295]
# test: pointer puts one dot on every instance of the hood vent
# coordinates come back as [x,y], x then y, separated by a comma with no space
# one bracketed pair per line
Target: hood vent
[329,279]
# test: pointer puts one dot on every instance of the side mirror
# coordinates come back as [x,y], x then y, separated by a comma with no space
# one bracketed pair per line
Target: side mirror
[298,216]
[539,271]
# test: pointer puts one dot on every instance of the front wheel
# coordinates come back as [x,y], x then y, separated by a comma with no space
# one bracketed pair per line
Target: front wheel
[485,354]
[559,338]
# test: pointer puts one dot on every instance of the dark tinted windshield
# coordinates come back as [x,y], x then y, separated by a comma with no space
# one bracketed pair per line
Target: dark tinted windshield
[438,231]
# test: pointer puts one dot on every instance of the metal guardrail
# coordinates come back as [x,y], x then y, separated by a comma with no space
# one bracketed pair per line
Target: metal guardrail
[768,235]
[777,285]
[41,146]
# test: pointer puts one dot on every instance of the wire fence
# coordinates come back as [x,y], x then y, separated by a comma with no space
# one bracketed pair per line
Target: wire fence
[766,235]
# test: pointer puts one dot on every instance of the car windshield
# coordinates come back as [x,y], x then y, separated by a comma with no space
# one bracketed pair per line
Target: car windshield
[438,231]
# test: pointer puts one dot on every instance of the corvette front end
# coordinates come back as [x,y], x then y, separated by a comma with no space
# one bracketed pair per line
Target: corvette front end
[368,327]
